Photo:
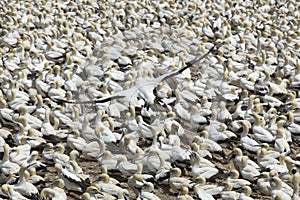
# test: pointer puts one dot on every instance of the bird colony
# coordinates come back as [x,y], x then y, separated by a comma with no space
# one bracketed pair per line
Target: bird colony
[159,99]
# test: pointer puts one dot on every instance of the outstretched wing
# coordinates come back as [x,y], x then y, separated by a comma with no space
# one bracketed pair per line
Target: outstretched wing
[148,86]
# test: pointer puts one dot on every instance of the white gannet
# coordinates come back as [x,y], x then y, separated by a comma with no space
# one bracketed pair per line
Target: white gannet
[247,142]
[41,86]
[238,113]
[286,188]
[264,160]
[136,183]
[23,186]
[204,188]
[291,125]
[32,121]
[247,171]
[248,114]
[110,188]
[32,160]
[201,149]
[91,193]
[48,151]
[202,194]
[196,115]
[71,180]
[87,132]
[106,134]
[147,192]
[94,149]
[260,132]
[46,127]
[56,193]
[155,161]
[229,134]
[263,184]
[125,167]
[18,154]
[281,125]
[202,166]
[245,194]
[55,90]
[108,160]
[6,165]
[235,180]
[34,140]
[237,154]
[281,167]
[272,125]
[11,193]
[64,119]
[163,169]
[281,145]
[176,182]
[295,182]
[79,172]
[184,194]
[212,145]
[144,129]
[74,141]
[5,112]
[224,115]
[228,193]
[171,125]
[59,155]
[276,189]
[155,145]
[34,178]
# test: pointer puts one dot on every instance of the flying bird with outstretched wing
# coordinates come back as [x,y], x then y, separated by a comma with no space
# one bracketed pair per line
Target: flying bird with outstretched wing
[143,89]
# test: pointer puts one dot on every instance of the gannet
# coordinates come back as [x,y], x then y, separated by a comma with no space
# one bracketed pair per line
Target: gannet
[56,193]
[94,149]
[228,193]
[237,154]
[125,167]
[176,182]
[6,164]
[184,194]
[212,145]
[11,193]
[276,188]
[264,160]
[247,142]
[136,183]
[23,186]
[295,182]
[203,167]
[71,180]
[203,187]
[245,195]
[147,192]
[260,132]
[291,125]
[110,188]
[34,178]
[74,141]
[247,171]
[235,180]
[59,155]
[281,145]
